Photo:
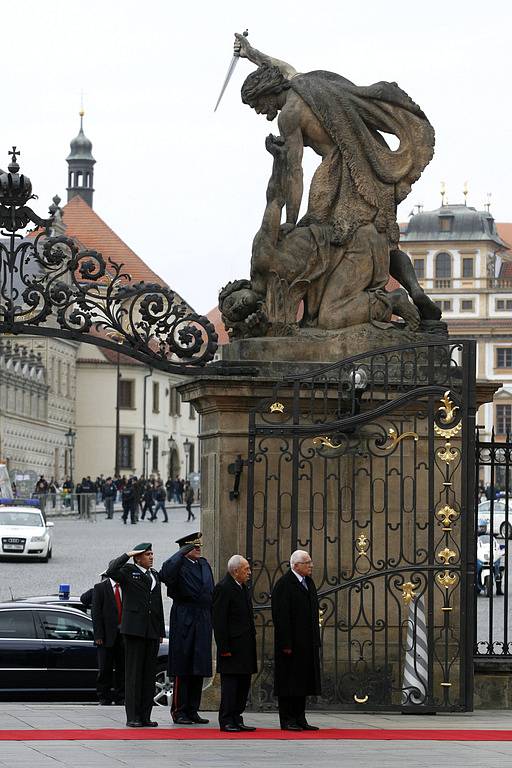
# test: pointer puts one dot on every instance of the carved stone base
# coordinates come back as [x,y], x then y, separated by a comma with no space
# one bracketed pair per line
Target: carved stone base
[313,345]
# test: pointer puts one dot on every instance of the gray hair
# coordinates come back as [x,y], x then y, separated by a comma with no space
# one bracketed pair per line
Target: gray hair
[234,563]
[297,556]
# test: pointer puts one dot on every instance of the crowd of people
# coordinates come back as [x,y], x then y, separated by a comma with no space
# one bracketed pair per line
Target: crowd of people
[128,623]
[138,495]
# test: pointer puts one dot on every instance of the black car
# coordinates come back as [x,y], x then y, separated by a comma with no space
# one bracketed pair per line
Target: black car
[48,650]
[70,602]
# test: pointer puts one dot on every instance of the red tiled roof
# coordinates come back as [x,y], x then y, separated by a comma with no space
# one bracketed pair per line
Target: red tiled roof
[505,232]
[85,225]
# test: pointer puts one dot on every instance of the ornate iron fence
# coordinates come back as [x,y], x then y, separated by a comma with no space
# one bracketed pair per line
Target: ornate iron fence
[369,465]
[493,623]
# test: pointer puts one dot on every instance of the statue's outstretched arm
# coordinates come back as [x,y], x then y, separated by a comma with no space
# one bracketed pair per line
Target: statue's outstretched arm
[245,50]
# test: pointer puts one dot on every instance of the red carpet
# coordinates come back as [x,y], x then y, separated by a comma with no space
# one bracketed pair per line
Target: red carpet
[205,734]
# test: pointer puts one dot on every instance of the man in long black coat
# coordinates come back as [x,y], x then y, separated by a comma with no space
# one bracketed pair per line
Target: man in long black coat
[296,642]
[235,635]
[107,611]
[143,629]
[189,582]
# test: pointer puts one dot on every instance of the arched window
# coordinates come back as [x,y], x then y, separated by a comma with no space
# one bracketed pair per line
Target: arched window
[443,270]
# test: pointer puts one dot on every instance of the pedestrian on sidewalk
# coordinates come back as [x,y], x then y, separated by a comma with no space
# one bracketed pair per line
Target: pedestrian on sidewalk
[160,502]
[296,642]
[128,501]
[148,500]
[235,636]
[189,500]
[143,628]
[109,497]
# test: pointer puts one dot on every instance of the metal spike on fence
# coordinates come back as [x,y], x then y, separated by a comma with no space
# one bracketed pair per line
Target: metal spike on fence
[415,680]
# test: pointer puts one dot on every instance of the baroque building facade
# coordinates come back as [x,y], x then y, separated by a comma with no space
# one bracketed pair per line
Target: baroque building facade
[462,260]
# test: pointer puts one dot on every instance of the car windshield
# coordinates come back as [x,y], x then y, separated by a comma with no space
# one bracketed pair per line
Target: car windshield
[20,517]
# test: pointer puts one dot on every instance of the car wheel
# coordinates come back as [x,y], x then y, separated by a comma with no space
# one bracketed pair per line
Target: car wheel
[49,556]
[506,530]
[163,689]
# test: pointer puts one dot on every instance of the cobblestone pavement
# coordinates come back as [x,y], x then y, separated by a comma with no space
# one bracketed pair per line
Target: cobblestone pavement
[82,550]
[246,753]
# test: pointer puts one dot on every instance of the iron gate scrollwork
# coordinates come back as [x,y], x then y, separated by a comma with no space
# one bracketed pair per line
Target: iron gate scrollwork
[368,464]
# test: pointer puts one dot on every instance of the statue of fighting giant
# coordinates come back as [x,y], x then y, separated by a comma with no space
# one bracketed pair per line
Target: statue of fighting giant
[338,257]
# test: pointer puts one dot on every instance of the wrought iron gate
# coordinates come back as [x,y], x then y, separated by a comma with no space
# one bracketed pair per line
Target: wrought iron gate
[369,465]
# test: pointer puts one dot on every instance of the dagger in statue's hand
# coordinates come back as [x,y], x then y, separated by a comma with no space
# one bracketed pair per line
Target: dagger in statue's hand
[231,69]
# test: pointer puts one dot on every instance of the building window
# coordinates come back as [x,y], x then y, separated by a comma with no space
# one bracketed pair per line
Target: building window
[504,357]
[503,305]
[191,411]
[445,223]
[174,402]
[443,270]
[156,397]
[503,419]
[419,268]
[126,451]
[154,463]
[445,305]
[466,305]
[468,267]
[126,393]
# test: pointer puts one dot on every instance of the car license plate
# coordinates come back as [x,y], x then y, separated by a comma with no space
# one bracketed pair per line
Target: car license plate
[14,547]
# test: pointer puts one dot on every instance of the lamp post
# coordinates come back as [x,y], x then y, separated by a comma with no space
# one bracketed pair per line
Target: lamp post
[187,445]
[146,442]
[171,444]
[70,436]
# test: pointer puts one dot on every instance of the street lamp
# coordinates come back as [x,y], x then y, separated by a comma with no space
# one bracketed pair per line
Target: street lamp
[70,436]
[171,443]
[187,445]
[147,442]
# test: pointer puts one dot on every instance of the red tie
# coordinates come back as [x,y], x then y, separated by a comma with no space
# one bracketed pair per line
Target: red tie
[119,604]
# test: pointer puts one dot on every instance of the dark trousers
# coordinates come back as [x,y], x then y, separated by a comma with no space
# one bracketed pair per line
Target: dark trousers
[140,673]
[129,509]
[160,505]
[109,507]
[147,507]
[110,680]
[292,710]
[234,690]
[191,515]
[186,696]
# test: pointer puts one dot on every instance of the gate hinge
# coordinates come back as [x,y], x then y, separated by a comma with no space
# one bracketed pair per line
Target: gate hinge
[236,469]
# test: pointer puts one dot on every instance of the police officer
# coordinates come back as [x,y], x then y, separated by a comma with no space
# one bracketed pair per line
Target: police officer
[143,628]
[189,582]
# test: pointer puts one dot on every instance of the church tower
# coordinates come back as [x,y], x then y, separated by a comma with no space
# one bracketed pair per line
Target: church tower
[81,166]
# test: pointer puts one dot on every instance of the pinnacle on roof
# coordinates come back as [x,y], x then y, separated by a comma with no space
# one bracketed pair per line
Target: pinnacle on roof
[81,146]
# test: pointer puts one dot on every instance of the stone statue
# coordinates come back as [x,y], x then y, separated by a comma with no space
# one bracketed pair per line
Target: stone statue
[337,259]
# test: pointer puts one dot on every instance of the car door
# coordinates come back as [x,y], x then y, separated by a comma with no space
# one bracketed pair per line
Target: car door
[72,657]
[22,653]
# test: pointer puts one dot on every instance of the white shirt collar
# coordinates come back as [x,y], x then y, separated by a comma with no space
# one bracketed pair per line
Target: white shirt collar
[146,570]
[297,575]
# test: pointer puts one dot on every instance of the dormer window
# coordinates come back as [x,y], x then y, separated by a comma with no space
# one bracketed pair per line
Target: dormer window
[445,223]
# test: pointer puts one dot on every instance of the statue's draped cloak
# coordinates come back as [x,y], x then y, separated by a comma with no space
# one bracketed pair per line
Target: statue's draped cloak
[366,180]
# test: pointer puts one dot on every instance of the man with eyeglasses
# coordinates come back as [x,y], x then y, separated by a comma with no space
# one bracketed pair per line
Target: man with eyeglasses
[296,642]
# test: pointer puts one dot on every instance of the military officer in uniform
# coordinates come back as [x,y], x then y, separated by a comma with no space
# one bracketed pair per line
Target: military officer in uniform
[189,582]
[143,628]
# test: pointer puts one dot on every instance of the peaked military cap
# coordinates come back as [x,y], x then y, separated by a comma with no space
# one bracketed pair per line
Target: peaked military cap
[143,547]
[191,538]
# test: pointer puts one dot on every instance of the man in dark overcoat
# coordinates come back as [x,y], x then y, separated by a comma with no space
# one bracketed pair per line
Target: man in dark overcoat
[235,636]
[189,582]
[143,628]
[296,642]
[107,612]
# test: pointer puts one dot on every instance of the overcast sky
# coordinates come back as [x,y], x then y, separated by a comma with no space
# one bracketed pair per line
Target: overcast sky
[185,187]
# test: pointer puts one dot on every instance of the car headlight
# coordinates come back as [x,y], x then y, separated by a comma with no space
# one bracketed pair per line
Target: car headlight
[39,538]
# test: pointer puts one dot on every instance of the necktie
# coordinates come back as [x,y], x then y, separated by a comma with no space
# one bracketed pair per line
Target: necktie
[304,583]
[117,598]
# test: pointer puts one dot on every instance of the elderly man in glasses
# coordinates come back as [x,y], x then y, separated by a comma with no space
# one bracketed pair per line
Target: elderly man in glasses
[296,642]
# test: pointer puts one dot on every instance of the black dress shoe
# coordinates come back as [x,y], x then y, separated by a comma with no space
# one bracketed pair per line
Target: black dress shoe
[246,727]
[183,721]
[308,727]
[150,724]
[134,724]
[291,727]
[199,720]
[231,728]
